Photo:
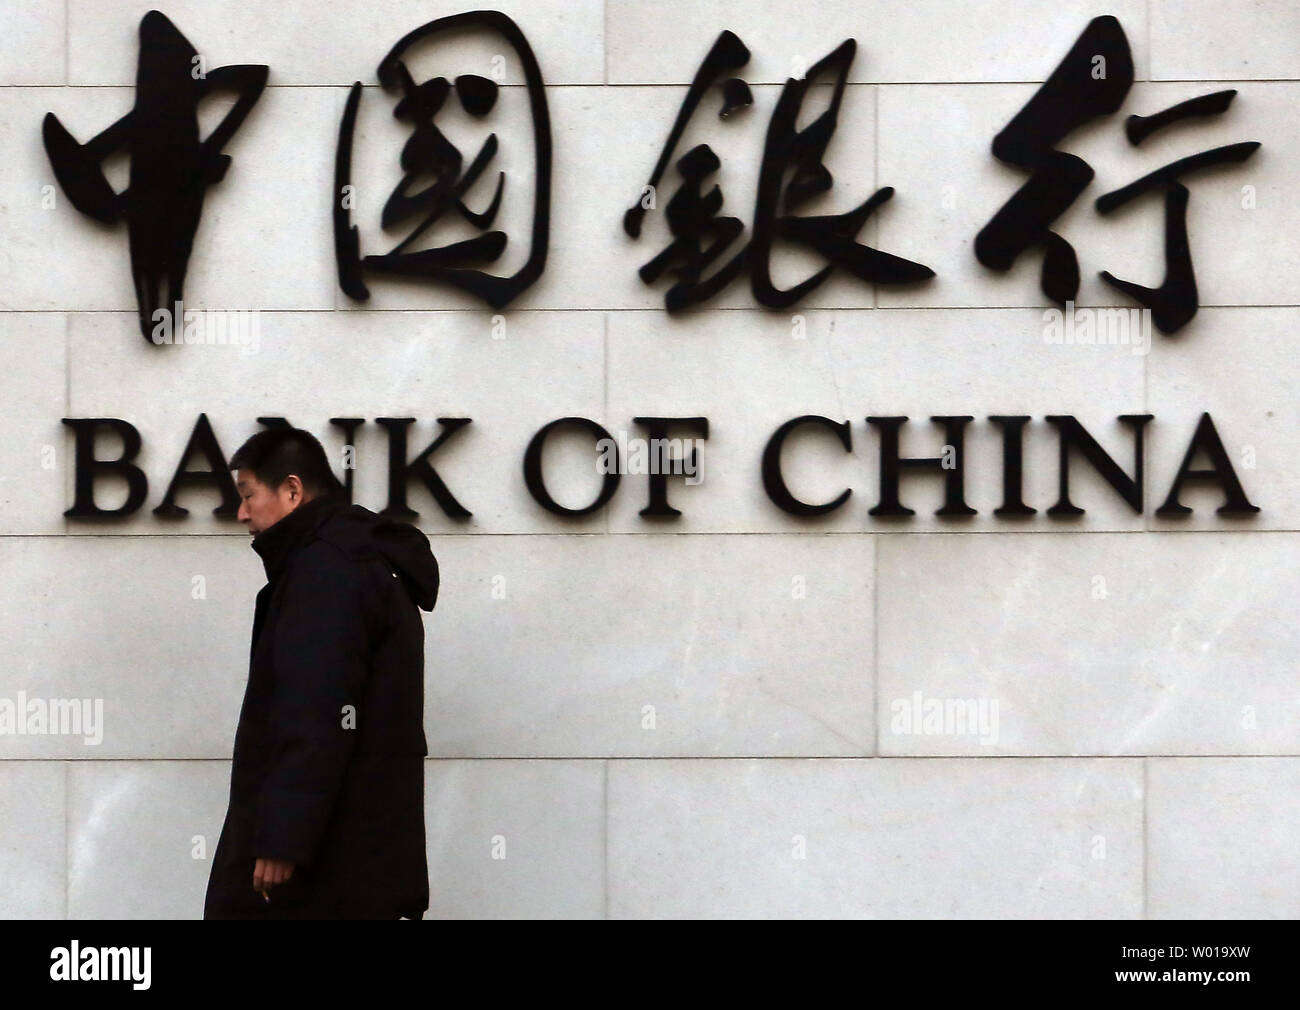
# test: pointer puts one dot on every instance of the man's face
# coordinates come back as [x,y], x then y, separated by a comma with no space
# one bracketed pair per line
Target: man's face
[261,506]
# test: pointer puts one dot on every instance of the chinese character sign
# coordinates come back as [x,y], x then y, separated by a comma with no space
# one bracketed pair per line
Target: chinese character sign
[171,168]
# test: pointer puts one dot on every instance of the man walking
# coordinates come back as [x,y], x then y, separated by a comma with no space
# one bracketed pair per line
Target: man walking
[326,812]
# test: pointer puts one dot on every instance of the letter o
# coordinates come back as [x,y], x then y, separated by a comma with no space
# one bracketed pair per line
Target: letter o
[533,468]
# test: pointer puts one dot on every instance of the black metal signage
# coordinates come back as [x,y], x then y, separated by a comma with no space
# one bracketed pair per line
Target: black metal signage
[171,169]
[1075,443]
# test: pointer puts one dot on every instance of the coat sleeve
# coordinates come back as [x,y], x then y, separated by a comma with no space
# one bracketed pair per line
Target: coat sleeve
[320,660]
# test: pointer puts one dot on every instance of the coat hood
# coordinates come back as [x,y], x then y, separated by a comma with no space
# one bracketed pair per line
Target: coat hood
[358,531]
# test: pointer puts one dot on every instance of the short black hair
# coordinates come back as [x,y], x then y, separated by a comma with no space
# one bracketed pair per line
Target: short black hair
[275,453]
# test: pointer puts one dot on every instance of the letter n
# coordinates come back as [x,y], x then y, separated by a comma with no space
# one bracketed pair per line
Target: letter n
[1074,435]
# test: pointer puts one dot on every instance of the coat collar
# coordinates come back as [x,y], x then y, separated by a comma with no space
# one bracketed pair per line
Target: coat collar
[279,541]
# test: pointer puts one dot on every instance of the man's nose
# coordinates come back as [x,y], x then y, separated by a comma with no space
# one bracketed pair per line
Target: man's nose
[242,514]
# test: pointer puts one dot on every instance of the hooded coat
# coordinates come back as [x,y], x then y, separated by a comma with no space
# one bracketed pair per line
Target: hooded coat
[328,764]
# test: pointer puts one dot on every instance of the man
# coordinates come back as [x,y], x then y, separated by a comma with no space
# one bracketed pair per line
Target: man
[326,813]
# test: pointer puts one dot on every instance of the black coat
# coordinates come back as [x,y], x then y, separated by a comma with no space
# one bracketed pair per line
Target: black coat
[328,766]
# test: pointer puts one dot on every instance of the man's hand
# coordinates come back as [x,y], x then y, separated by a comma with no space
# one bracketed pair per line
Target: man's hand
[268,873]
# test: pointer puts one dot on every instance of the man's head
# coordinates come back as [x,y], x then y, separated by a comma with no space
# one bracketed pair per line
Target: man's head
[278,470]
